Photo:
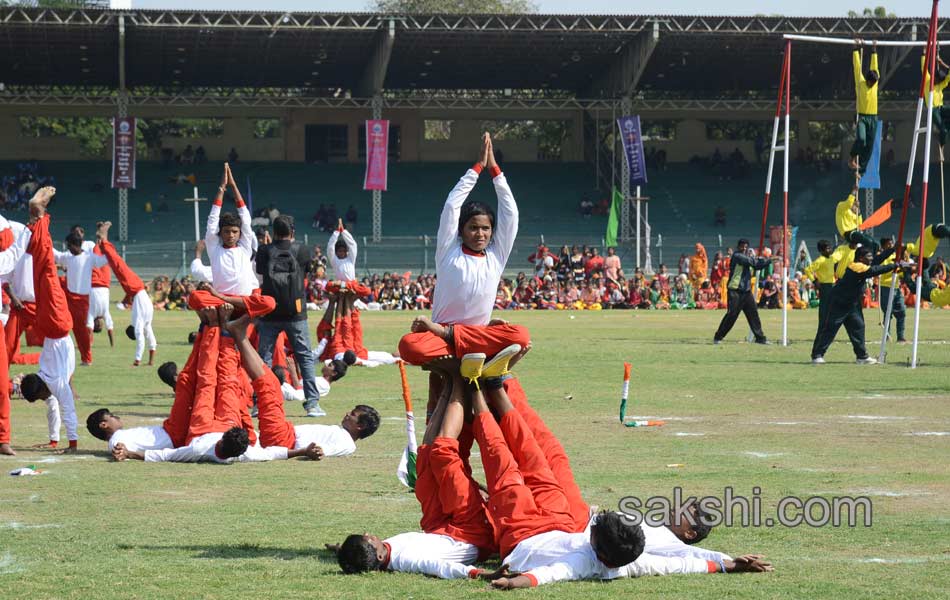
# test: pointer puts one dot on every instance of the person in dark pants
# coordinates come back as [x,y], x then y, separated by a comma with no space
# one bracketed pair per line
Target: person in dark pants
[888,284]
[846,305]
[822,272]
[284,265]
[740,296]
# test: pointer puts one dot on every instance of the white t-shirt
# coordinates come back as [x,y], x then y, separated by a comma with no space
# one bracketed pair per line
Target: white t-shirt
[431,554]
[139,439]
[344,269]
[466,285]
[201,449]
[231,269]
[333,439]
[21,279]
[79,269]
[291,393]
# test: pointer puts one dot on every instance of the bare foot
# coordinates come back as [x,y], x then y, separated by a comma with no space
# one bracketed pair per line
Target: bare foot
[69,450]
[102,230]
[40,201]
[136,363]
[224,313]
[238,327]
[7,450]
[210,315]
[514,360]
[421,324]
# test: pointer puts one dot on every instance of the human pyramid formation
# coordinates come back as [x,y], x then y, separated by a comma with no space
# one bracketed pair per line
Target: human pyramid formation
[534,515]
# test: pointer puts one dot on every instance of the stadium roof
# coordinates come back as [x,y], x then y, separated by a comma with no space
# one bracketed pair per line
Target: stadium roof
[584,56]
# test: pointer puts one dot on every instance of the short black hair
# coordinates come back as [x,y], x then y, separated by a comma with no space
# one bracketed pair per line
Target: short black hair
[228,219]
[93,421]
[702,526]
[742,241]
[130,332]
[283,226]
[871,77]
[368,420]
[97,324]
[474,208]
[192,337]
[339,367]
[862,251]
[340,245]
[168,373]
[32,387]
[357,555]
[280,373]
[349,357]
[886,240]
[234,442]
[73,239]
[619,542]
[823,245]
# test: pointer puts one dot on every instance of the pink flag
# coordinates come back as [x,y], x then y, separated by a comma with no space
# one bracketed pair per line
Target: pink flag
[377,152]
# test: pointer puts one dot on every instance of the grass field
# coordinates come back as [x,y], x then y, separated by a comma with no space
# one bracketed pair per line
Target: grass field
[737,415]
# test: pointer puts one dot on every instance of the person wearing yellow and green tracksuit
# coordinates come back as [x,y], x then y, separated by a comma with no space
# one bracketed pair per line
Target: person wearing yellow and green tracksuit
[822,272]
[928,289]
[865,89]
[845,307]
[848,220]
[740,297]
[942,79]
[891,285]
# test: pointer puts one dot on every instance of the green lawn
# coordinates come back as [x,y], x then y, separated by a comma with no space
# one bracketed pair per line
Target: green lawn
[759,416]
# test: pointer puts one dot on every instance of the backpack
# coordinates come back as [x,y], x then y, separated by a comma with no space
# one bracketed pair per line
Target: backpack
[285,279]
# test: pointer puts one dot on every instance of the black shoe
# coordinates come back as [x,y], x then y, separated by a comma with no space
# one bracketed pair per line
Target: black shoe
[763,342]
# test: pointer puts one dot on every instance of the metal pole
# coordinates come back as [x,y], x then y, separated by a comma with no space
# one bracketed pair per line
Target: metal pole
[377,106]
[850,41]
[197,218]
[788,145]
[638,226]
[184,260]
[122,111]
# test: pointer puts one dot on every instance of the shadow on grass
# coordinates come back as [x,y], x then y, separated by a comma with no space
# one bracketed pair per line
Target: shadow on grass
[240,551]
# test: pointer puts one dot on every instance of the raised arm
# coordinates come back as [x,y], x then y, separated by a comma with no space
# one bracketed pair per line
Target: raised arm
[434,567]
[350,245]
[651,564]
[248,240]
[449,221]
[53,418]
[184,454]
[259,454]
[856,63]
[506,228]
[199,270]
[10,256]
[214,216]
[331,249]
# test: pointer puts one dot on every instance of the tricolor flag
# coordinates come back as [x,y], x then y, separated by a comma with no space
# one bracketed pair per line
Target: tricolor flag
[406,471]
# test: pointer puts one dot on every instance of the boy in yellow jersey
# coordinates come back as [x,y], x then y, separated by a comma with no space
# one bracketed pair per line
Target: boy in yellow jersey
[942,77]
[889,285]
[848,220]
[865,89]
[822,272]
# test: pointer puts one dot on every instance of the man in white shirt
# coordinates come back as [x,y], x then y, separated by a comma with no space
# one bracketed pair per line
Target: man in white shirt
[108,427]
[79,264]
[275,430]
[342,252]
[22,305]
[456,530]
[58,358]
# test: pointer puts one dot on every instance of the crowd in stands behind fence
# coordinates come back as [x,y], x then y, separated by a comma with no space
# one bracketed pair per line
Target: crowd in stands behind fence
[17,188]
[575,278]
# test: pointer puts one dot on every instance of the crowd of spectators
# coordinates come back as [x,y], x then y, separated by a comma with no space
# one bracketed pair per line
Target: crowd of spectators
[17,189]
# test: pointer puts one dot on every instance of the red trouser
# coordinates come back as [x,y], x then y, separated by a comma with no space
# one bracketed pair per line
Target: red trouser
[420,348]
[256,304]
[336,344]
[179,419]
[553,451]
[79,309]
[130,282]
[276,430]
[357,328]
[352,285]
[450,499]
[20,319]
[524,496]
[234,395]
[52,312]
[4,394]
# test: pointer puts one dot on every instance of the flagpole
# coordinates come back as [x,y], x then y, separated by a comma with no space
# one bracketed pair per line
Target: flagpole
[638,226]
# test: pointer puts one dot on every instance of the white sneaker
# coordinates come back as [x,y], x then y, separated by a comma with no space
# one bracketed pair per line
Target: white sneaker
[869,360]
[818,360]
[313,409]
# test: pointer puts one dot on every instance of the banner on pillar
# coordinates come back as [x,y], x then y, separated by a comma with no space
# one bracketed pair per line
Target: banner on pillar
[633,149]
[377,153]
[123,153]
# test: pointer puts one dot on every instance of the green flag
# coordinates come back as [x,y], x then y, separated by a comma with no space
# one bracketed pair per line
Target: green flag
[613,220]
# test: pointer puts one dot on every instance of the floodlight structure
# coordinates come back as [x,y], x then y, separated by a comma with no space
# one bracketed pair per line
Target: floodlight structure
[784,98]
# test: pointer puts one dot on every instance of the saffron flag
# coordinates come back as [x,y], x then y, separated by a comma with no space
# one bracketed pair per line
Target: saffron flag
[879,217]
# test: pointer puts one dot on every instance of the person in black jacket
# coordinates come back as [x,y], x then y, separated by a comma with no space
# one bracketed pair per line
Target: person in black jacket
[845,306]
[740,295]
[283,265]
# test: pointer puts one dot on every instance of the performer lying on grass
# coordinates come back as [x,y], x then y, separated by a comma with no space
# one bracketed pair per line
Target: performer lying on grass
[456,530]
[312,441]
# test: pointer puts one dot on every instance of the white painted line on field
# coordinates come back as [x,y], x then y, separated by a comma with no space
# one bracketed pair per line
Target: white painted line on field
[687,434]
[764,454]
[16,525]
[8,565]
[877,418]
[929,433]
[873,492]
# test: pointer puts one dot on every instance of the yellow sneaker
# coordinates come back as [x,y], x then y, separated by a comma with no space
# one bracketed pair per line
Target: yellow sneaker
[498,365]
[471,367]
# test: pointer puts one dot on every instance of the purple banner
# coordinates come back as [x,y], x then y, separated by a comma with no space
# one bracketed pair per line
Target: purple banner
[123,153]
[377,153]
[633,149]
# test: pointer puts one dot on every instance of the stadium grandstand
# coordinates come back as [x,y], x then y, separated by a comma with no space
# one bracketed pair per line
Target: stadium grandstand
[290,92]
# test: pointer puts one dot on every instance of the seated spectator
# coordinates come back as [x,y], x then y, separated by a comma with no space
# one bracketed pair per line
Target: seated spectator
[200,156]
[639,295]
[659,298]
[707,297]
[232,155]
[564,265]
[187,156]
[769,296]
[681,297]
[176,296]
[159,293]
[795,299]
